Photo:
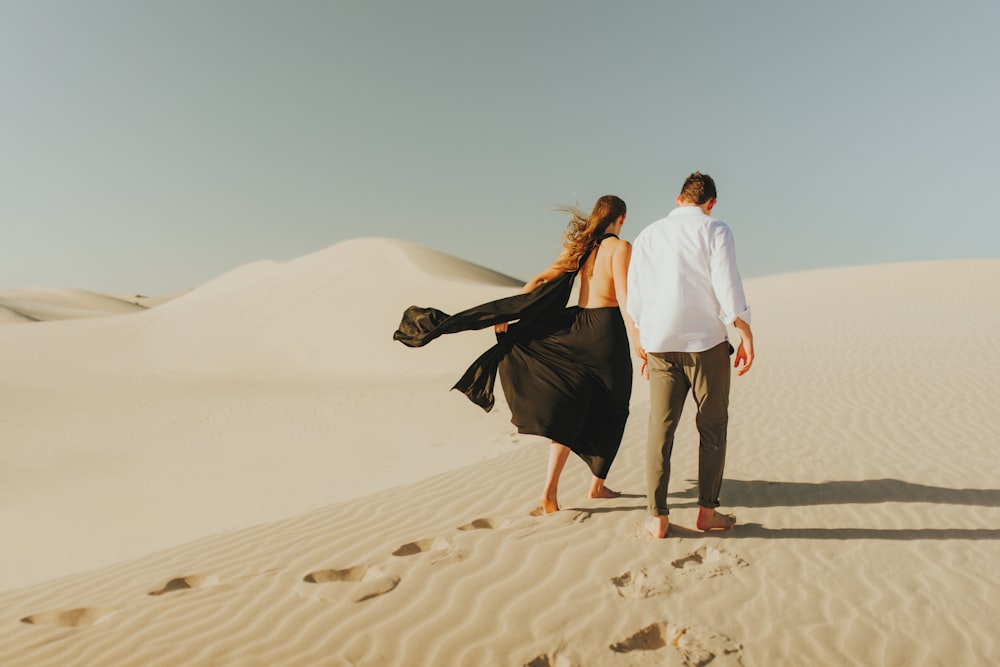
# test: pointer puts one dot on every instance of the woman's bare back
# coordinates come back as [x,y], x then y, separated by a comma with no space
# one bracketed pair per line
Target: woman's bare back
[598,286]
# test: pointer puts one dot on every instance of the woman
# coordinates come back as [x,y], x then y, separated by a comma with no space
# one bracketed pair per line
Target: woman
[566,372]
[572,382]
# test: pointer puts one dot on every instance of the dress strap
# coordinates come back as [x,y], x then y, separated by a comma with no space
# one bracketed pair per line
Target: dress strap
[593,246]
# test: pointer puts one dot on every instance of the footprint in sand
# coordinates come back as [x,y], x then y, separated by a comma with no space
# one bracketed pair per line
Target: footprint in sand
[550,661]
[70,618]
[438,549]
[353,584]
[186,583]
[436,544]
[561,517]
[650,638]
[708,562]
[535,522]
[356,573]
[643,582]
[479,524]
[697,646]
[705,563]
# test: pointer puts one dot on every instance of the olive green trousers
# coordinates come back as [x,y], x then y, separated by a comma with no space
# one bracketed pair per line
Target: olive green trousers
[672,375]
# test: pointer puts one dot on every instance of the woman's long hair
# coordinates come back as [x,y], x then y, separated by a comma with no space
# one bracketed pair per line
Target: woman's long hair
[582,230]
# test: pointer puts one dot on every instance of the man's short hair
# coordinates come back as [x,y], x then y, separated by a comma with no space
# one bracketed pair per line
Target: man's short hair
[698,189]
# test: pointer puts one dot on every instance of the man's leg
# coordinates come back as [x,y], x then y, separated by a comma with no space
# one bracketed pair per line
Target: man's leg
[710,380]
[668,388]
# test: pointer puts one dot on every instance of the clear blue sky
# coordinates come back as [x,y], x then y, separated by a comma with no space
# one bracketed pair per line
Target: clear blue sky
[149,146]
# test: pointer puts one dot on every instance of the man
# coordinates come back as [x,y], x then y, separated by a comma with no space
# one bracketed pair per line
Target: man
[684,289]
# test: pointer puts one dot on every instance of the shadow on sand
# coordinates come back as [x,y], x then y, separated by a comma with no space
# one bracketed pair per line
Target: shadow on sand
[763,493]
[749,530]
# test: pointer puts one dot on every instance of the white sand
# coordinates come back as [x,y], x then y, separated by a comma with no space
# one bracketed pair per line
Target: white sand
[43,304]
[254,473]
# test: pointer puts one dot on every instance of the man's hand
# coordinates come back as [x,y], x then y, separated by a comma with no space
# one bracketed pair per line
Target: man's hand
[641,353]
[745,356]
[744,353]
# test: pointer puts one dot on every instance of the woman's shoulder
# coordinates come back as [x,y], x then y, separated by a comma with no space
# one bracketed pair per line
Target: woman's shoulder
[615,243]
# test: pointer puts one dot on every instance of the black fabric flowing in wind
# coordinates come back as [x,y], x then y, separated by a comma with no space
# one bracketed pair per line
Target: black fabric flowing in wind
[420,326]
[566,371]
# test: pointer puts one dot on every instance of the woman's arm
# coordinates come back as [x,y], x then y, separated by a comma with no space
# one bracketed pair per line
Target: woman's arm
[549,274]
[545,276]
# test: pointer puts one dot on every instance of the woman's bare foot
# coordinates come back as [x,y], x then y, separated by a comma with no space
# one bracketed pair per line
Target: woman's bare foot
[598,490]
[709,519]
[557,459]
[657,526]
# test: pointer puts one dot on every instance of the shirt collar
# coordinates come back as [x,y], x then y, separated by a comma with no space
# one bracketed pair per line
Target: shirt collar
[687,208]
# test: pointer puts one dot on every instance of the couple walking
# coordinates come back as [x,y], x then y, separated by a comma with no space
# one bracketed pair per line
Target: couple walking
[567,371]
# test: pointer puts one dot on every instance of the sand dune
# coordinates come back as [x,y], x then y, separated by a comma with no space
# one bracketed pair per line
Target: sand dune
[271,372]
[44,304]
[317,315]
[861,466]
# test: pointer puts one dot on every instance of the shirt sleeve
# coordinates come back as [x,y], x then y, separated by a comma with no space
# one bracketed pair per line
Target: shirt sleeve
[633,300]
[726,280]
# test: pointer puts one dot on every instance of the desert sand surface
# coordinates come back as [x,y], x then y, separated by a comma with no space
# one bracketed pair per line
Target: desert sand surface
[255,473]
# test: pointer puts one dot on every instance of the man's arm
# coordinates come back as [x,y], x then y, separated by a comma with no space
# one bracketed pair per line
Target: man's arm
[619,267]
[726,280]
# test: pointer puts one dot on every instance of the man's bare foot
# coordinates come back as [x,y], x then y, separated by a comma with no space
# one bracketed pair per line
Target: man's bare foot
[709,519]
[657,526]
[550,505]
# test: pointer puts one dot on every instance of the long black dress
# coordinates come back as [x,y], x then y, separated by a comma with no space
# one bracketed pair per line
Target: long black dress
[566,371]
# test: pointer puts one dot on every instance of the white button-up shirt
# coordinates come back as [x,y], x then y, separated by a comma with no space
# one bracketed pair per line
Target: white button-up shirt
[683,284]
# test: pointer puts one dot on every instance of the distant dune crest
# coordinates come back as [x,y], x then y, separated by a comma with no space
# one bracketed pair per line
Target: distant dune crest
[369,258]
[361,261]
[40,304]
[317,316]
[440,265]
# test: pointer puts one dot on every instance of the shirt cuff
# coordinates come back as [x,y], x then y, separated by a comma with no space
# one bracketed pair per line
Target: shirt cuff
[729,319]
